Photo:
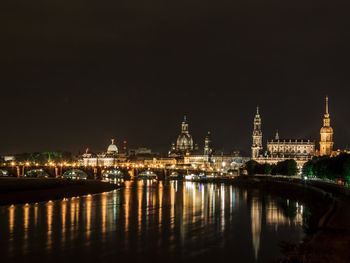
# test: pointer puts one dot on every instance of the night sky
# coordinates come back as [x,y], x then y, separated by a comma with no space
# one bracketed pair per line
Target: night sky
[75,74]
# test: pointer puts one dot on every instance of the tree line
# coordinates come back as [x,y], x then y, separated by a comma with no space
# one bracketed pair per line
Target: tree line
[44,157]
[332,168]
[287,167]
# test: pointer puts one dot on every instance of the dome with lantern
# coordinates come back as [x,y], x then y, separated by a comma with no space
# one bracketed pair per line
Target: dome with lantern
[112,148]
[184,141]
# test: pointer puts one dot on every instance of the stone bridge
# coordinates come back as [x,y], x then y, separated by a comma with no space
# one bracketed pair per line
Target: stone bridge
[93,172]
[52,171]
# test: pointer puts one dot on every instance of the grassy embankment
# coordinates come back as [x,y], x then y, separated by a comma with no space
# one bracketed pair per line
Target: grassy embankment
[29,190]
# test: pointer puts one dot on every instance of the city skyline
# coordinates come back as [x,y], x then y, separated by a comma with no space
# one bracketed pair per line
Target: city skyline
[220,143]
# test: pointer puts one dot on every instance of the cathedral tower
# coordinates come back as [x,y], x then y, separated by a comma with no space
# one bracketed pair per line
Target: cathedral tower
[326,143]
[257,136]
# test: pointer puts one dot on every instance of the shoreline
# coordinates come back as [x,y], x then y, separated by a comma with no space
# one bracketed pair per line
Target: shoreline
[32,190]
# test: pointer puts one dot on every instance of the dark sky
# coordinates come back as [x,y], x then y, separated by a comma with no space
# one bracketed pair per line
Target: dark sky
[76,73]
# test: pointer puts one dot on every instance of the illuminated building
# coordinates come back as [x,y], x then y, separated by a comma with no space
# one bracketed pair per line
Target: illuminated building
[279,150]
[257,136]
[326,142]
[216,160]
[208,148]
[112,148]
[184,144]
[108,158]
[291,149]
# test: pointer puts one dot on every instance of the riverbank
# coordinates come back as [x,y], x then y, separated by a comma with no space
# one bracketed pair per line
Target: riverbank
[30,190]
[328,229]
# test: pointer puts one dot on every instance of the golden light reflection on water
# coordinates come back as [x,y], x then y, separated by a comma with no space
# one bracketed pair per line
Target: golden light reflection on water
[222,193]
[49,214]
[194,195]
[127,196]
[25,226]
[11,229]
[202,206]
[103,212]
[160,207]
[184,211]
[172,204]
[77,211]
[36,214]
[63,220]
[88,215]
[139,205]
[72,204]
[26,216]
[256,215]
[11,218]
[277,217]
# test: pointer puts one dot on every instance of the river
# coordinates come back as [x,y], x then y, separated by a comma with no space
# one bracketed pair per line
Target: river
[149,221]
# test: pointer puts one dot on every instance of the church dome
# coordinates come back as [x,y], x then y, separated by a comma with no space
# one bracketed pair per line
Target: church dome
[112,148]
[184,142]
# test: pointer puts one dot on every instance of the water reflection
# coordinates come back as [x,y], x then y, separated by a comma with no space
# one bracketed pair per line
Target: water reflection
[36,214]
[88,216]
[104,212]
[49,215]
[11,218]
[25,226]
[63,220]
[256,215]
[172,220]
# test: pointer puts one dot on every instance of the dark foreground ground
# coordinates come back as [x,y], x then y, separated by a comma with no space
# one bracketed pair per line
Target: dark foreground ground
[29,190]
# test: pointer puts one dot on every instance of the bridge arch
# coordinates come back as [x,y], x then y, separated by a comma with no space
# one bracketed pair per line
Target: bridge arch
[112,173]
[4,173]
[40,173]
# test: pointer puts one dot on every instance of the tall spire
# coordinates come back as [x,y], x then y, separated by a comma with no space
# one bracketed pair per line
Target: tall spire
[257,136]
[184,125]
[277,136]
[326,142]
[326,119]
[257,115]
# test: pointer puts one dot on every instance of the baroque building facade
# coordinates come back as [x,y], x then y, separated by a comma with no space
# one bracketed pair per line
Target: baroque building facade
[291,149]
[279,150]
[109,158]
